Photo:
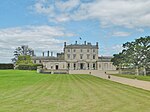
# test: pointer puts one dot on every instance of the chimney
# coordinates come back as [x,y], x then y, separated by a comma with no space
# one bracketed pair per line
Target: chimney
[51,53]
[96,43]
[76,42]
[64,44]
[48,53]
[43,54]
[85,42]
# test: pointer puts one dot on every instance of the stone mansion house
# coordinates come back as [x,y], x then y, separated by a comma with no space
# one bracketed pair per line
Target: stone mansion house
[75,57]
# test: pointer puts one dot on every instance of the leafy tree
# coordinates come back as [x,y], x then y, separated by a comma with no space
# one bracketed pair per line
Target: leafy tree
[135,54]
[22,51]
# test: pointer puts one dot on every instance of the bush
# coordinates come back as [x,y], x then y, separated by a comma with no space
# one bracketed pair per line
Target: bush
[27,66]
[6,66]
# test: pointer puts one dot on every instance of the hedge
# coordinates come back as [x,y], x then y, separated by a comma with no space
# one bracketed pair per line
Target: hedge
[6,66]
[27,66]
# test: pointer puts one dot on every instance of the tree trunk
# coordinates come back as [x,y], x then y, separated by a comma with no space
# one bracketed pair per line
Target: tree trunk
[144,70]
[137,71]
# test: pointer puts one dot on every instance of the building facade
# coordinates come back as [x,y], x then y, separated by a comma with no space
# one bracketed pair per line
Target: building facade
[76,57]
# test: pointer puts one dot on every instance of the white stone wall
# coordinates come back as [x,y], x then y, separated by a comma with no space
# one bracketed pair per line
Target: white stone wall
[105,66]
[52,65]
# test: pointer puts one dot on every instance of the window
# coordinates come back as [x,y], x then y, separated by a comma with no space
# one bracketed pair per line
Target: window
[34,61]
[74,56]
[68,50]
[88,50]
[68,66]
[93,56]
[81,50]
[93,50]
[88,65]
[74,50]
[94,66]
[81,56]
[68,55]
[88,56]
[39,61]
[74,66]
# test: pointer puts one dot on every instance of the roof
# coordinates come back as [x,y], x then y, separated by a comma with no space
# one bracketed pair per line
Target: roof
[105,58]
[79,46]
[45,58]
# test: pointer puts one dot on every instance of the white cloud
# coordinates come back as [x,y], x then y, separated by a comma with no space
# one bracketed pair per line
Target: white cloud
[113,49]
[121,34]
[126,13]
[40,38]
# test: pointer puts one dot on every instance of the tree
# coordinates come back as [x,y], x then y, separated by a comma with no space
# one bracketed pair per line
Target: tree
[24,50]
[135,54]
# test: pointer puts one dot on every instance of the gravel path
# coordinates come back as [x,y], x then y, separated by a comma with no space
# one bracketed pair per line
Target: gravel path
[132,82]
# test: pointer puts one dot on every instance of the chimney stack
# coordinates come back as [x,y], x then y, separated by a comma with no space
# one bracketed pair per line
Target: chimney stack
[85,42]
[76,42]
[48,53]
[51,53]
[64,44]
[96,43]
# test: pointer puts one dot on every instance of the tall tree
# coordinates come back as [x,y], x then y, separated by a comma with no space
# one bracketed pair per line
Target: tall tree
[136,54]
[24,50]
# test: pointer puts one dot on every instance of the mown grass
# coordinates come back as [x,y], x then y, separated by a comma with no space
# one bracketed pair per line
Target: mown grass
[139,77]
[27,91]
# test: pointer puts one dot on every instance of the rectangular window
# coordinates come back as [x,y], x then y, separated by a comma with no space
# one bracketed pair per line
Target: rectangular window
[68,50]
[88,56]
[94,66]
[68,66]
[81,56]
[74,66]
[88,50]
[93,56]
[74,50]
[74,56]
[81,50]
[93,50]
[68,55]
[88,65]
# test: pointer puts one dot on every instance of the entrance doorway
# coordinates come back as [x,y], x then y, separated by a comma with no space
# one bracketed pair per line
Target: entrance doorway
[81,66]
[56,67]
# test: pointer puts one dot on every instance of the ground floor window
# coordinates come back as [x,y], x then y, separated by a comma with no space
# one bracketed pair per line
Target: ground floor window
[74,66]
[94,66]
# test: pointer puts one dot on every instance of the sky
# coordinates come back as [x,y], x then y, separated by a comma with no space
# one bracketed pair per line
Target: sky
[46,24]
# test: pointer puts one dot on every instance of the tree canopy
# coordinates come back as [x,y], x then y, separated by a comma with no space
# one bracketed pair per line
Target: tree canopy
[135,54]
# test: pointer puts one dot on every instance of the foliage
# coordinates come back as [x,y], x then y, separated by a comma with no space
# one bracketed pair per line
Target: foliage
[6,66]
[135,54]
[24,50]
[27,66]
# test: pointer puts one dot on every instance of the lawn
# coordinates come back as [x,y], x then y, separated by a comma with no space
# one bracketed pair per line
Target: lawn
[27,91]
[139,77]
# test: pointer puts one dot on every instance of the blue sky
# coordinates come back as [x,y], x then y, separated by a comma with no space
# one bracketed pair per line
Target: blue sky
[46,24]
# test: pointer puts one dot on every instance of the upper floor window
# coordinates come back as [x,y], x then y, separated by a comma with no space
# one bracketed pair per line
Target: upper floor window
[39,61]
[68,50]
[94,56]
[88,56]
[74,50]
[81,56]
[88,50]
[81,50]
[93,50]
[74,56]
[68,56]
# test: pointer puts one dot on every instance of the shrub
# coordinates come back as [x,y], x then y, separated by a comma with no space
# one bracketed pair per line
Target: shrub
[6,66]
[27,66]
